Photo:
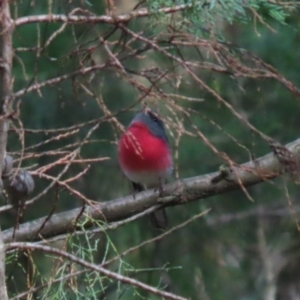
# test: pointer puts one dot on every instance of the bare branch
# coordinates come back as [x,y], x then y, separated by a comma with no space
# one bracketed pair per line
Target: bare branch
[108,273]
[79,19]
[126,252]
[5,108]
[59,79]
[178,193]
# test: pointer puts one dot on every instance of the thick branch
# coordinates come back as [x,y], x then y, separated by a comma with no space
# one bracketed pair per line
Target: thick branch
[76,19]
[6,29]
[182,192]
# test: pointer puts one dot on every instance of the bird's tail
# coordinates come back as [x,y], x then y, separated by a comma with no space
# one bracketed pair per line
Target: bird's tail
[159,219]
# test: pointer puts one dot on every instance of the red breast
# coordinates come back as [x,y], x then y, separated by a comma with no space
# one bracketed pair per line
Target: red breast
[139,150]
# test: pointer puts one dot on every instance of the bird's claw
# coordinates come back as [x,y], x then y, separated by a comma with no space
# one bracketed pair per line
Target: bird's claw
[160,191]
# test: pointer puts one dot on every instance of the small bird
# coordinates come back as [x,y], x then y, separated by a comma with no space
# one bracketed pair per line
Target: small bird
[145,157]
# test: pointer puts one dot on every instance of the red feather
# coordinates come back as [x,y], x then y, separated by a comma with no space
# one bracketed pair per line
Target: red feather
[139,150]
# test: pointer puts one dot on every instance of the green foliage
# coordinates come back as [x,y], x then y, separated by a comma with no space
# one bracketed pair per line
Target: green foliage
[203,18]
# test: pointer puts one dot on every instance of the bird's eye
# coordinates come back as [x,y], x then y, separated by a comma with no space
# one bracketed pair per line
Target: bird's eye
[153,117]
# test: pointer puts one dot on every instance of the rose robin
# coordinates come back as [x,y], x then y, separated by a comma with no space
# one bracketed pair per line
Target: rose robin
[145,157]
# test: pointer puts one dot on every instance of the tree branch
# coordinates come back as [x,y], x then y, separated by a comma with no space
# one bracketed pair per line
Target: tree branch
[79,19]
[6,29]
[184,191]
[108,273]
[56,80]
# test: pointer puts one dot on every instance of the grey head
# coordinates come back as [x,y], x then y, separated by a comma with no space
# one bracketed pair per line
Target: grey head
[153,122]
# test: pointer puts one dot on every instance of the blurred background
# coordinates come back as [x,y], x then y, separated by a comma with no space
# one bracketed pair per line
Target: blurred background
[241,249]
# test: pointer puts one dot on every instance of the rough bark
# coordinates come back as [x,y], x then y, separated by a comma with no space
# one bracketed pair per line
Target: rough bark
[6,30]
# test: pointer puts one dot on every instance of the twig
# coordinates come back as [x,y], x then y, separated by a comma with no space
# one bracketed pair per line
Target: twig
[110,274]
[79,19]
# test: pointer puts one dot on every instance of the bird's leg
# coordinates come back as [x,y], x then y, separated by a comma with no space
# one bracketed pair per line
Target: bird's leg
[136,188]
[160,189]
[161,194]
[159,217]
[134,194]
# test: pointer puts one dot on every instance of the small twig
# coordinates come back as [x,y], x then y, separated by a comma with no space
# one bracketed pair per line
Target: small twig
[104,271]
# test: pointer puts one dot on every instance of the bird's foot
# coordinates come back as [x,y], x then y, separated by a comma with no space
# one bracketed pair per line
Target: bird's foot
[225,173]
[160,190]
[134,194]
[161,195]
[173,197]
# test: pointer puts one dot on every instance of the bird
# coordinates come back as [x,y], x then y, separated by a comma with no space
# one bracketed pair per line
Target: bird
[145,157]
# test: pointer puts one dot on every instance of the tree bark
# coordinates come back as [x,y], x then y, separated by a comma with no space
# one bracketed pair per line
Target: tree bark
[6,30]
